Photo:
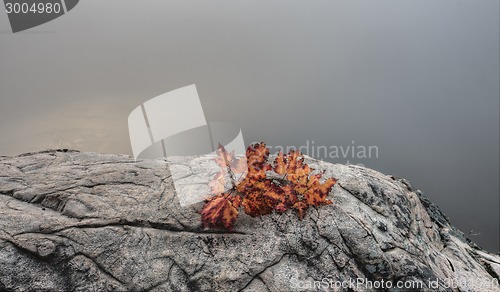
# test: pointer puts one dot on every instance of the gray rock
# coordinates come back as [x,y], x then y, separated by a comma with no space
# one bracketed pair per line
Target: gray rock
[72,221]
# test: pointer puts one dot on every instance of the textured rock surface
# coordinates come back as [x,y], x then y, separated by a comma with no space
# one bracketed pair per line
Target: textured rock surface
[73,221]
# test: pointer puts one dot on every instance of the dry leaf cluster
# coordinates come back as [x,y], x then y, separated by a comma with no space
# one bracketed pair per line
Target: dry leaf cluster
[286,183]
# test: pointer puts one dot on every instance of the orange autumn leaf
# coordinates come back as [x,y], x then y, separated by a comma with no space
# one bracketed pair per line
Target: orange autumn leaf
[227,160]
[280,164]
[289,199]
[293,186]
[231,168]
[257,155]
[317,192]
[294,169]
[273,193]
[217,184]
[221,211]
[257,166]
[255,205]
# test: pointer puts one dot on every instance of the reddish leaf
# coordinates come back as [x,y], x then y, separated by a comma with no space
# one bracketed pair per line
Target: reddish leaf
[217,185]
[256,160]
[274,194]
[298,188]
[294,169]
[257,155]
[221,211]
[317,192]
[280,164]
[289,199]
[255,205]
[227,160]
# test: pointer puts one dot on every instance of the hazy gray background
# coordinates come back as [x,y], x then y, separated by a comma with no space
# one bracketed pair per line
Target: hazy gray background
[418,79]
